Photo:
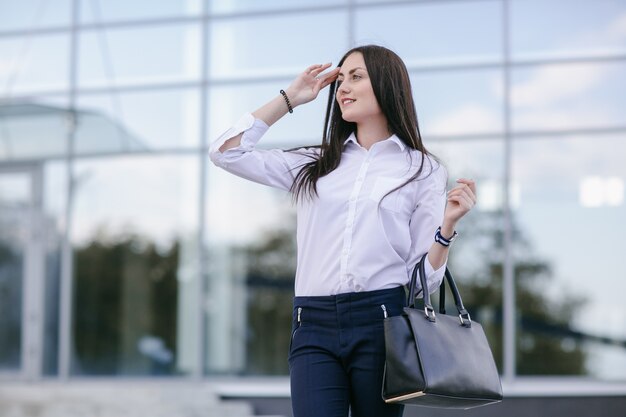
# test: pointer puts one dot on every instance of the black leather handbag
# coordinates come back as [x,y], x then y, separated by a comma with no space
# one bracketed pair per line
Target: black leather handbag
[438,360]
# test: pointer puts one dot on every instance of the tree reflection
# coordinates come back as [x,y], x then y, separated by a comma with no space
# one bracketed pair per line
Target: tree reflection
[125,298]
[270,278]
[545,345]
[125,306]
[545,341]
[11,272]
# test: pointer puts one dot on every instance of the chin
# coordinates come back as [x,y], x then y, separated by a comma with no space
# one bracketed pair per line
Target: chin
[348,118]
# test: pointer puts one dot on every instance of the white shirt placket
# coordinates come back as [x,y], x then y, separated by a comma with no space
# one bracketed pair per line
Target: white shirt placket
[347,280]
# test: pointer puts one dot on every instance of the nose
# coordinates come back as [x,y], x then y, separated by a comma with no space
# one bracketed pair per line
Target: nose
[343,88]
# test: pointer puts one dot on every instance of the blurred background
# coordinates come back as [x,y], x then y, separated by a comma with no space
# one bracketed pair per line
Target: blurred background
[125,255]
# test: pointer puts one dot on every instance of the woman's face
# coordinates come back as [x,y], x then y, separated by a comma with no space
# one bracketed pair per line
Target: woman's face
[355,94]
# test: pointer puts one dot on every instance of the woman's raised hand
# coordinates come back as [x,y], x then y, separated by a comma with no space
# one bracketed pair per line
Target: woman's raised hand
[461,199]
[308,84]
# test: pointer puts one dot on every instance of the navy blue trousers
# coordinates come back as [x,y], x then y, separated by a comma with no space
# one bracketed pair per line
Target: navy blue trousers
[337,354]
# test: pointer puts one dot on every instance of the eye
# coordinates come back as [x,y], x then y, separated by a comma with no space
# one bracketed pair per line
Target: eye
[339,82]
[356,76]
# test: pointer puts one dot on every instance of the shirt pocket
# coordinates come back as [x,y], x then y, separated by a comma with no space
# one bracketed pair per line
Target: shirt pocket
[393,201]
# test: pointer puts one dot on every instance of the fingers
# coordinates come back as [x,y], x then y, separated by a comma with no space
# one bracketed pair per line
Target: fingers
[313,67]
[465,187]
[306,86]
[469,182]
[321,68]
[316,69]
[312,74]
[462,197]
[329,77]
[464,201]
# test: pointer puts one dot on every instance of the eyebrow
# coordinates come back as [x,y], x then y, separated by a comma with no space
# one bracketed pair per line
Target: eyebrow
[351,71]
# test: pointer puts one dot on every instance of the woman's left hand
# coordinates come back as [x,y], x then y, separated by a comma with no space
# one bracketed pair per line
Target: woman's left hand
[461,199]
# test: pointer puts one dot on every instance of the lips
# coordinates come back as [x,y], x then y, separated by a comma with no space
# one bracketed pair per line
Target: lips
[347,101]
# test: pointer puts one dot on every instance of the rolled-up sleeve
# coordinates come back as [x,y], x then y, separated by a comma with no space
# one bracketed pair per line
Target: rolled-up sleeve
[275,167]
[425,220]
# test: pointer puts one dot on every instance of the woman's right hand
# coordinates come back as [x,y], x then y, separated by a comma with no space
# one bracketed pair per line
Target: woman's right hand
[308,84]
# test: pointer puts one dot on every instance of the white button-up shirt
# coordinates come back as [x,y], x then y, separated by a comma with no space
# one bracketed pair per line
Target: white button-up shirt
[346,241]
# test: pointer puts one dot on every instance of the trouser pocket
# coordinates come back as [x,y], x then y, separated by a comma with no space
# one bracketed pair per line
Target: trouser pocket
[296,326]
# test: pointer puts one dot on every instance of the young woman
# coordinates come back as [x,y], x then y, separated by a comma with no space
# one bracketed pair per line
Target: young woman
[371,202]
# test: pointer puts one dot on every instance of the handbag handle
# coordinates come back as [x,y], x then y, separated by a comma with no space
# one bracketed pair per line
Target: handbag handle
[429,311]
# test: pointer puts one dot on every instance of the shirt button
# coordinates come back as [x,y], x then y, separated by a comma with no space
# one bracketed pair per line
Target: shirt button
[358,288]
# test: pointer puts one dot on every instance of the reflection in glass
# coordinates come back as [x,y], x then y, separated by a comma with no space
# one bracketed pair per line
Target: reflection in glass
[566,28]
[112,10]
[477,257]
[33,129]
[559,259]
[15,229]
[53,228]
[135,255]
[229,6]
[118,122]
[568,96]
[33,14]
[39,63]
[458,102]
[129,56]
[303,127]
[251,261]
[248,47]
[434,32]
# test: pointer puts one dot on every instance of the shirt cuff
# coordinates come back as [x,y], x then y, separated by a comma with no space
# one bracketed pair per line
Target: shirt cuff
[434,277]
[430,271]
[244,124]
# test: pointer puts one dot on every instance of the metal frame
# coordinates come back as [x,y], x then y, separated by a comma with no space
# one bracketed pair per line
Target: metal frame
[206,18]
[33,281]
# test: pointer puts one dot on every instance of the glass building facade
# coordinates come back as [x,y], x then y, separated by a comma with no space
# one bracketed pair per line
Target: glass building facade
[125,252]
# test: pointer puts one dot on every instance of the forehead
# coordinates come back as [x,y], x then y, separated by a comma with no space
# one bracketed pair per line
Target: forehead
[352,61]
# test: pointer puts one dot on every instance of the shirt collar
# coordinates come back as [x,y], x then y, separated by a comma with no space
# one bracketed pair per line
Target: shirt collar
[392,138]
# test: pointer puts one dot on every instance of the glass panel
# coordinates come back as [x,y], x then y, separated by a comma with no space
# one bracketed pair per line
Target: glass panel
[34,64]
[569,227]
[229,6]
[111,10]
[34,14]
[449,103]
[119,122]
[53,226]
[34,129]
[567,28]
[458,102]
[261,46]
[15,211]
[569,96]
[437,32]
[302,127]
[478,276]
[130,56]
[385,1]
[251,260]
[134,235]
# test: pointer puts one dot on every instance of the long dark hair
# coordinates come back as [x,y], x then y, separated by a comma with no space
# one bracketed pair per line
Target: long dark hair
[392,88]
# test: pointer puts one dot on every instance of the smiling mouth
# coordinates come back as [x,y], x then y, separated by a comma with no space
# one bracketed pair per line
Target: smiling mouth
[347,101]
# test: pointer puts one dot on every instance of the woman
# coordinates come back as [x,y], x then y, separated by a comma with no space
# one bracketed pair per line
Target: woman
[370,201]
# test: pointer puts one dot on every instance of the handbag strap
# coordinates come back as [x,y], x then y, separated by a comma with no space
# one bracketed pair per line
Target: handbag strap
[429,311]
